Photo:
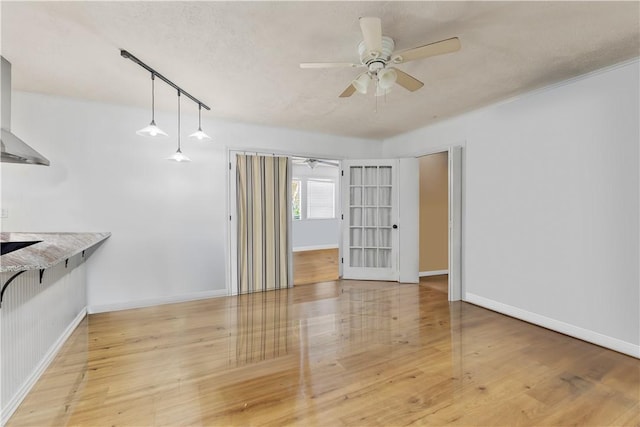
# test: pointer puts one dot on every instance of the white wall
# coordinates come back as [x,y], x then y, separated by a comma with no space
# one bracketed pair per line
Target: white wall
[551,225]
[168,220]
[317,233]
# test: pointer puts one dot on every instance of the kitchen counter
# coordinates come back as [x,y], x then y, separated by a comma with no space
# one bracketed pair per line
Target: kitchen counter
[54,248]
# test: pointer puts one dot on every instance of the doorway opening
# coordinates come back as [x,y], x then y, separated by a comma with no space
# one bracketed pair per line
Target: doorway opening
[434,220]
[315,228]
[440,220]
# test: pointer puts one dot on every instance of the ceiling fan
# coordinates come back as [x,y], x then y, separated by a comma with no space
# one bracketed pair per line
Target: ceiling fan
[312,163]
[377,55]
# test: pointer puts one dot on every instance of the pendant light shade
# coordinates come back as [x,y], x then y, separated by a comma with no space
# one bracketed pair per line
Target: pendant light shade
[199,134]
[152,131]
[178,156]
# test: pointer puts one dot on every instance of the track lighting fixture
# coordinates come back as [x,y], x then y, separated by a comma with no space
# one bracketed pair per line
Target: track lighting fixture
[152,131]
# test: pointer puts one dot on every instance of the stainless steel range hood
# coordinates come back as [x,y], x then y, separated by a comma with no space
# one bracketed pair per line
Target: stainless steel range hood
[14,150]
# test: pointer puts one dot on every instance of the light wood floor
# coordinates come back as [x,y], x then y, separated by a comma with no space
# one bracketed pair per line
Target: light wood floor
[315,266]
[331,354]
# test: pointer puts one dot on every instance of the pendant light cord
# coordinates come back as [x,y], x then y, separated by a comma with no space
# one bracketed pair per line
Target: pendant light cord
[178,120]
[200,117]
[153,98]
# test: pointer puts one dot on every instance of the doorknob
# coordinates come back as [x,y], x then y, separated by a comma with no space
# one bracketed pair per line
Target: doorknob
[395,226]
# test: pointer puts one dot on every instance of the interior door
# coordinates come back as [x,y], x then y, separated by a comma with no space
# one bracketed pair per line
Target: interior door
[370,219]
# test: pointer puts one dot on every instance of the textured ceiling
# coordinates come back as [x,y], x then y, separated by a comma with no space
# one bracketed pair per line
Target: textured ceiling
[242,58]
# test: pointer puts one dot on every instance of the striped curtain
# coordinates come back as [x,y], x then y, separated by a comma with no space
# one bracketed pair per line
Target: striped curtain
[262,184]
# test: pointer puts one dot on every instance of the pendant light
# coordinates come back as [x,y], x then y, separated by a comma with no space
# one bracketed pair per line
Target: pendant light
[178,156]
[152,131]
[199,134]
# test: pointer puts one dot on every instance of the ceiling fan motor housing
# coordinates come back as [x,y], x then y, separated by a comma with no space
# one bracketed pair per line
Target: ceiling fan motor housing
[376,60]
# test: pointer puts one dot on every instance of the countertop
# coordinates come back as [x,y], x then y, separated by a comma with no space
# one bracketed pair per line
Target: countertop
[54,248]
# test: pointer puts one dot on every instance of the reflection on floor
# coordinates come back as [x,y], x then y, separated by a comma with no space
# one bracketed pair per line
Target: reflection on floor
[437,283]
[315,266]
[335,353]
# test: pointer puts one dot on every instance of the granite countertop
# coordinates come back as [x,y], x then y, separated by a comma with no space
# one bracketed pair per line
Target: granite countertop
[54,248]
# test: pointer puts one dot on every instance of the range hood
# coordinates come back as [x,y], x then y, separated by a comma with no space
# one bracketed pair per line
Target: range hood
[14,150]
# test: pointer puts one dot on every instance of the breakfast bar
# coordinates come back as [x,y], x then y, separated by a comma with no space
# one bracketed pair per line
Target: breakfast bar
[43,299]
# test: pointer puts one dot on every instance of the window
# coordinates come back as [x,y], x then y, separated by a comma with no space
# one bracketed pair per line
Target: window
[295,199]
[313,198]
[320,199]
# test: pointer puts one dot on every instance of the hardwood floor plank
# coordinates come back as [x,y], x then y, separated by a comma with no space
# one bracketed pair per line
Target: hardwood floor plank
[315,266]
[329,354]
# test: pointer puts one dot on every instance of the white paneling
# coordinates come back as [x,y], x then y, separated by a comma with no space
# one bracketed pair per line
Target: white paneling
[36,318]
[551,201]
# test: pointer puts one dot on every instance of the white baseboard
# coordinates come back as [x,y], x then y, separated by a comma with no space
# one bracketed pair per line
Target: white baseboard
[433,273]
[128,305]
[314,248]
[22,392]
[556,325]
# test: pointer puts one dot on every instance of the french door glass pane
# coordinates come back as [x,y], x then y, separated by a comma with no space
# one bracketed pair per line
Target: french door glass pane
[370,217]
[356,196]
[385,175]
[385,196]
[356,175]
[370,237]
[355,255]
[370,175]
[369,258]
[355,217]
[356,237]
[370,198]
[384,237]
[384,258]
[384,215]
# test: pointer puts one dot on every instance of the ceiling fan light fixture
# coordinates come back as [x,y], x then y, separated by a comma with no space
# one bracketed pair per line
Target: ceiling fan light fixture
[312,163]
[387,78]
[380,91]
[361,83]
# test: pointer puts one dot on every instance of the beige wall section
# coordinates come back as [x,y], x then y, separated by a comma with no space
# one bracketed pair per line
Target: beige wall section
[434,205]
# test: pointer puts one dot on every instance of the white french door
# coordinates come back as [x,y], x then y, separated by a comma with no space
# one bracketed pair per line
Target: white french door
[370,219]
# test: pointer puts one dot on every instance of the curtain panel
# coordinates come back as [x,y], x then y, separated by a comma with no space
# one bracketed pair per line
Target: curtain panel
[262,184]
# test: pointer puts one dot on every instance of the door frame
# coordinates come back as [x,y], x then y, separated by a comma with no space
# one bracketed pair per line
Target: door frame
[456,288]
[231,214]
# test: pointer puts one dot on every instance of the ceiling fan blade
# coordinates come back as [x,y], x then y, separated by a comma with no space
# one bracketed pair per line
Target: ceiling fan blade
[348,92]
[328,163]
[432,49]
[372,34]
[329,65]
[406,81]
